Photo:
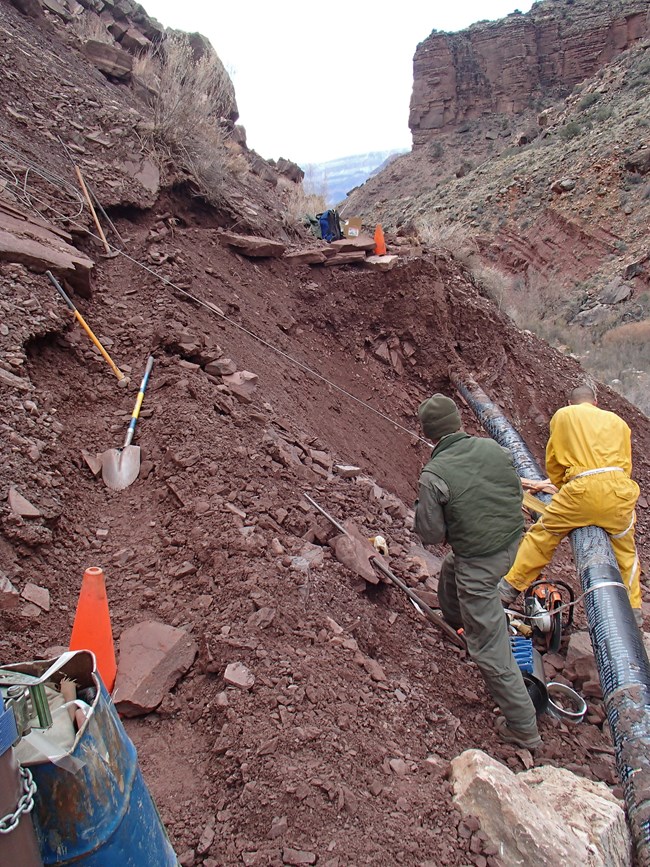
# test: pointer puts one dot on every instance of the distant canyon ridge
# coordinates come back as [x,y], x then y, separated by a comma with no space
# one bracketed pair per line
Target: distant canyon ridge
[503,66]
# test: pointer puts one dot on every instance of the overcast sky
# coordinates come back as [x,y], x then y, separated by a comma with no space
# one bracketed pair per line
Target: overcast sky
[317,80]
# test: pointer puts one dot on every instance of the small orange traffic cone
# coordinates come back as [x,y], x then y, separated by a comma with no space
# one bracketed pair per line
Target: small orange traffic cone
[380,243]
[92,625]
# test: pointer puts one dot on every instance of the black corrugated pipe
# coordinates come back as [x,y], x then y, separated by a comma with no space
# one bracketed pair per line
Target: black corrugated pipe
[617,642]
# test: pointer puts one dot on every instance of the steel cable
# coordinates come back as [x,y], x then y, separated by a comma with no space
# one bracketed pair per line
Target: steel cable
[215,310]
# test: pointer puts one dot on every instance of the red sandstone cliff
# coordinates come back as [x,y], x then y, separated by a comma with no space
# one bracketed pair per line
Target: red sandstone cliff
[505,66]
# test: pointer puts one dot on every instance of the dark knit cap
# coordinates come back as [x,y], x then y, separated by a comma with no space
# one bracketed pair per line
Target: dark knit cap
[439,416]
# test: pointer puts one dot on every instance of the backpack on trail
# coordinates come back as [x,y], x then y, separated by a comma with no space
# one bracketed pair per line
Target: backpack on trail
[330,225]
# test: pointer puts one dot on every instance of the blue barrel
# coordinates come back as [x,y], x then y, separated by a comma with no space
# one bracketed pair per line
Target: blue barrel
[102,815]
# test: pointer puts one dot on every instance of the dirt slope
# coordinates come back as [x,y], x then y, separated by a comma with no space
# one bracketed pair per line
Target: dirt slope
[314,738]
[341,747]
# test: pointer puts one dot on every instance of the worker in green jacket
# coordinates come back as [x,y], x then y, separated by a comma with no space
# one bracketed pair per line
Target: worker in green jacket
[470,496]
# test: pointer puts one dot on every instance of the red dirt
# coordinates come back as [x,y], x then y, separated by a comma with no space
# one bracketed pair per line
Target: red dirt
[313,740]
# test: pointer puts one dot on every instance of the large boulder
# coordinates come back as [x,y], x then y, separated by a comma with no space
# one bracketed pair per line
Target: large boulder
[639,162]
[548,817]
[599,819]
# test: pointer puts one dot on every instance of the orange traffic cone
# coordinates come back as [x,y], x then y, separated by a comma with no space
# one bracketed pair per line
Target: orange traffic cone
[92,625]
[380,243]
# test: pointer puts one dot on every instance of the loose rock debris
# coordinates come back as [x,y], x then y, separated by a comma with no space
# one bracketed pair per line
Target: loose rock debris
[215,539]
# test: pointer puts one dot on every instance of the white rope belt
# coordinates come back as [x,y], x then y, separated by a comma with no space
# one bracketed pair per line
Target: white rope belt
[598,471]
[625,531]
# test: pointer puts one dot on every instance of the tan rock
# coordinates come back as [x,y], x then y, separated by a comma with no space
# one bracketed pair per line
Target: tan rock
[381,263]
[355,551]
[242,384]
[524,820]
[346,471]
[236,674]
[363,243]
[221,367]
[345,259]
[21,506]
[146,173]
[599,819]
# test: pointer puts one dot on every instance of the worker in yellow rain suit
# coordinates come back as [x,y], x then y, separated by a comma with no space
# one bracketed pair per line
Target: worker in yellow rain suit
[589,458]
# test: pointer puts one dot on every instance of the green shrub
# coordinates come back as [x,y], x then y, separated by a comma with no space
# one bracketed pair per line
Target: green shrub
[588,100]
[570,130]
[603,113]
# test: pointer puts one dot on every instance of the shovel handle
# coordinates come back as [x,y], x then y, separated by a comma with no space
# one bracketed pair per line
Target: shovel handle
[138,403]
[118,373]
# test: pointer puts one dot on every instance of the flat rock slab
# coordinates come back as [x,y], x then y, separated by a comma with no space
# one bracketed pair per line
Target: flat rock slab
[37,595]
[251,245]
[153,656]
[221,367]
[345,259]
[242,384]
[12,381]
[19,505]
[363,243]
[381,263]
[305,257]
[40,247]
[236,674]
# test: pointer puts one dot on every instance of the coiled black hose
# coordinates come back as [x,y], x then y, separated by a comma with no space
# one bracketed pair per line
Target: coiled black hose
[617,643]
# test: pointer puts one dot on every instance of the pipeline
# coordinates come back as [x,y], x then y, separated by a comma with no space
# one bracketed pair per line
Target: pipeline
[621,657]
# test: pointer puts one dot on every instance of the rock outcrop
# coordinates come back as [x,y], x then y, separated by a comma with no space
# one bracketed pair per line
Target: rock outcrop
[546,816]
[502,67]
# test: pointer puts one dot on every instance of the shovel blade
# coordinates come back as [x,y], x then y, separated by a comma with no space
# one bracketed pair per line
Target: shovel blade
[120,467]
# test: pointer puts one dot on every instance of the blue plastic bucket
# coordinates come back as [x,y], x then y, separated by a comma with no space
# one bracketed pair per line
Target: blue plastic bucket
[101,814]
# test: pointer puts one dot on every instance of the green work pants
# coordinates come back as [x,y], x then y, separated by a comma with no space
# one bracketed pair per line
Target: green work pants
[467,591]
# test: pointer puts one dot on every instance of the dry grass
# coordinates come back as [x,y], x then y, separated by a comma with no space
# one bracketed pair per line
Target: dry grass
[297,202]
[456,239]
[148,68]
[620,357]
[188,98]
[192,94]
[631,333]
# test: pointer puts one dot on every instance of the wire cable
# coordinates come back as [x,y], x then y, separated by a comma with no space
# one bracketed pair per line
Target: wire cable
[215,310]
[23,193]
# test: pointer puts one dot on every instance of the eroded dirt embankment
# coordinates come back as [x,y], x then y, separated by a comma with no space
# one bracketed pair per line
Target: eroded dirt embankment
[206,537]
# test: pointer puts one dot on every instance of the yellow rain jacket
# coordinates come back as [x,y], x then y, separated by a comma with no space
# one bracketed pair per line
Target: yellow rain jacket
[589,458]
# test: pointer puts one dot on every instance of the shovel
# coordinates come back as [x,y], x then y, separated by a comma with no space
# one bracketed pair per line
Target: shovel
[120,467]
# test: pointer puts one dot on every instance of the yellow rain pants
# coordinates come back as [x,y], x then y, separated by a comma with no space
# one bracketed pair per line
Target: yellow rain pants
[588,457]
